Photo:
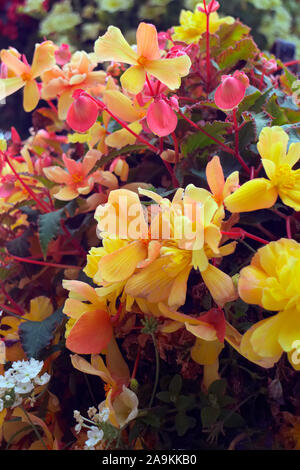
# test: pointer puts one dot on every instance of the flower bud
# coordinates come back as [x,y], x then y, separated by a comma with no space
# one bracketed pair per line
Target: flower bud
[231,91]
[82,113]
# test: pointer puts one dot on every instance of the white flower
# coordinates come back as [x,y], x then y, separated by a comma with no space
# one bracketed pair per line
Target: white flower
[91,412]
[1,405]
[6,382]
[104,414]
[94,436]
[78,428]
[23,388]
[42,380]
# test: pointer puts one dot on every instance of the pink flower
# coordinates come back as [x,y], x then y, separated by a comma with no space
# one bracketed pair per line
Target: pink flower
[82,113]
[231,91]
[63,54]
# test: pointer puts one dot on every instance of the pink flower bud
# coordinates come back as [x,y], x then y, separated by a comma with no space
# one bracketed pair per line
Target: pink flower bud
[161,119]
[211,7]
[231,91]
[63,54]
[82,113]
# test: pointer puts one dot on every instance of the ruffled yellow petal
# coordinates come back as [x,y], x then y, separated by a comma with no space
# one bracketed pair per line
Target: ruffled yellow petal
[123,137]
[113,46]
[31,96]
[206,352]
[121,264]
[251,284]
[220,285]
[147,41]
[254,195]
[120,105]
[8,86]
[13,63]
[293,155]
[170,71]
[272,144]
[66,194]
[246,349]
[43,58]
[133,79]
[264,338]
[289,333]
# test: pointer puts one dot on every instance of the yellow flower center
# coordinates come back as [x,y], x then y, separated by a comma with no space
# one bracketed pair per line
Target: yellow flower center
[26,76]
[77,178]
[285,176]
[142,60]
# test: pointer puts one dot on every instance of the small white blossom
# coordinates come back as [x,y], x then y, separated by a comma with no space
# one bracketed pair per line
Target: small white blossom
[95,435]
[1,405]
[42,380]
[24,388]
[91,412]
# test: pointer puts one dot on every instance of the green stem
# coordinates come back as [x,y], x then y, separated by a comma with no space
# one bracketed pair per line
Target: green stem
[157,370]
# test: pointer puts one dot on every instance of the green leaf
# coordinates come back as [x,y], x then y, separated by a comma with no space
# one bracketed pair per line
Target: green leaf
[245,49]
[218,388]
[229,34]
[275,111]
[49,228]
[199,140]
[209,416]
[175,387]
[20,246]
[37,335]
[164,397]
[183,423]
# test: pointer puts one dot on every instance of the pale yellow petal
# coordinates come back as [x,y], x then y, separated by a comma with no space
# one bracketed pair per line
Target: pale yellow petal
[31,96]
[133,79]
[253,195]
[170,71]
[113,46]
[220,285]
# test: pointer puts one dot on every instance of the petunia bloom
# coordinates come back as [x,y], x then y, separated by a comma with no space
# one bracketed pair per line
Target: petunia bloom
[24,75]
[283,181]
[112,46]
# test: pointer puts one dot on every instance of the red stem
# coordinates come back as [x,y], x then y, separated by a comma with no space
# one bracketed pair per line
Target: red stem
[207,50]
[149,85]
[39,203]
[243,233]
[138,137]
[11,300]
[9,309]
[137,360]
[44,263]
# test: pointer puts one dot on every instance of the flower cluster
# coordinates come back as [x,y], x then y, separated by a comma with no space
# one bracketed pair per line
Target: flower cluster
[19,381]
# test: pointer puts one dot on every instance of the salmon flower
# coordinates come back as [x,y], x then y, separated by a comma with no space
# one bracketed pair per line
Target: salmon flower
[193,25]
[77,74]
[112,46]
[272,281]
[89,329]
[24,75]
[283,181]
[78,179]
[121,402]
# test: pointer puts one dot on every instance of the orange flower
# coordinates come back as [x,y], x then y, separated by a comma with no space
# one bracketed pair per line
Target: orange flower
[25,75]
[113,46]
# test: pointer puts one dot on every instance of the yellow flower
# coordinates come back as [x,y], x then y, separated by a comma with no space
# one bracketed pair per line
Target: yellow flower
[112,46]
[262,193]
[24,75]
[272,281]
[193,25]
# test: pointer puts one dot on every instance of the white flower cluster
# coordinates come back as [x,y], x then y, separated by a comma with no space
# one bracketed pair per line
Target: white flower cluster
[95,434]
[20,380]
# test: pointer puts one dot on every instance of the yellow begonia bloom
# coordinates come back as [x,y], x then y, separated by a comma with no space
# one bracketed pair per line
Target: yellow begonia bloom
[262,193]
[24,75]
[193,25]
[272,281]
[112,46]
